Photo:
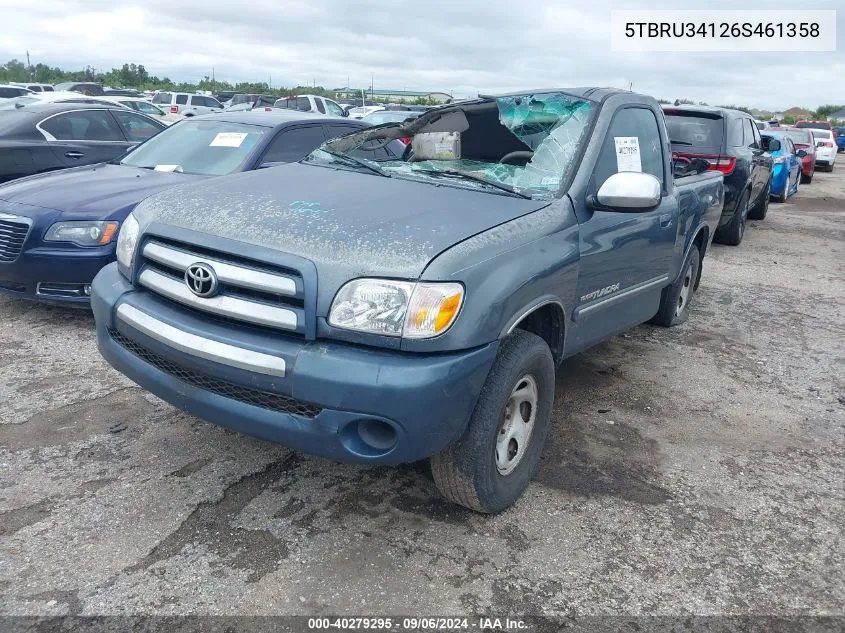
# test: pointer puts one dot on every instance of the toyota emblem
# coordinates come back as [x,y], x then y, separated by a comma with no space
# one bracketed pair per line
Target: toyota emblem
[201,280]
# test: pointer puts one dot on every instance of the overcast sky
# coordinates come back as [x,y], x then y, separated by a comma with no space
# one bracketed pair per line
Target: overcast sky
[457,46]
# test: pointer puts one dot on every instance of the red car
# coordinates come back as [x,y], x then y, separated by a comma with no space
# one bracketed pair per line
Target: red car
[803,139]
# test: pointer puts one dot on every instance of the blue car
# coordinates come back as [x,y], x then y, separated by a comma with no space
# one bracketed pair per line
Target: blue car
[840,138]
[786,167]
[58,229]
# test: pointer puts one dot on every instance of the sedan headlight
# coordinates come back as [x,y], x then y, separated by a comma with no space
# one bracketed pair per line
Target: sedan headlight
[126,242]
[396,308]
[780,160]
[84,233]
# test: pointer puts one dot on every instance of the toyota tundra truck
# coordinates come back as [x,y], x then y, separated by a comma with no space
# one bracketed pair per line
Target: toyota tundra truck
[375,309]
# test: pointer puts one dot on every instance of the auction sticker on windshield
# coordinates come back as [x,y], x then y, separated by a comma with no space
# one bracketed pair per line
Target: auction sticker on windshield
[228,139]
[628,153]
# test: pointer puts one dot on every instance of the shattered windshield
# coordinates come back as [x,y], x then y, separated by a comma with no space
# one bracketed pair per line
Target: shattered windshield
[521,145]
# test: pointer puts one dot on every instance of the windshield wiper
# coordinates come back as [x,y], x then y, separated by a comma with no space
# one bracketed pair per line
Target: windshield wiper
[674,142]
[452,173]
[357,161]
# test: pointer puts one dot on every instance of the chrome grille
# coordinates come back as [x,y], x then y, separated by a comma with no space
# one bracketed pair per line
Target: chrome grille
[13,232]
[248,291]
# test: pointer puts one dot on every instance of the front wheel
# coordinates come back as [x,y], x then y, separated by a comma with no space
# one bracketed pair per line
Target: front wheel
[762,207]
[492,464]
[732,233]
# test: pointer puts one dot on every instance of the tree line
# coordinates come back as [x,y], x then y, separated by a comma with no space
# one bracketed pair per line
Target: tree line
[137,77]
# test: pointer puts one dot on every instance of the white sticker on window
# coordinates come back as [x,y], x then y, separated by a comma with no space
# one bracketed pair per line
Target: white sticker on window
[228,139]
[168,168]
[628,153]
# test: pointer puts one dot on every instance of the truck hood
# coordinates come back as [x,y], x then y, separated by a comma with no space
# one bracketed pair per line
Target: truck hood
[91,191]
[349,223]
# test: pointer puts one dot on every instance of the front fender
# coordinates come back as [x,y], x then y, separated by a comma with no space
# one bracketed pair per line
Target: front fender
[510,268]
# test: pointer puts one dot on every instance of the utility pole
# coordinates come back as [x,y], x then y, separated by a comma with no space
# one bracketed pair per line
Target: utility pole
[212,74]
[28,66]
[372,89]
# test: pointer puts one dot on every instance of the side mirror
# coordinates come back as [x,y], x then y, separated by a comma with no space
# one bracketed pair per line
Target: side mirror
[629,191]
[801,153]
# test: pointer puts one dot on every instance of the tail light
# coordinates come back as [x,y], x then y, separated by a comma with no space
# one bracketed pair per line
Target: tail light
[825,144]
[268,109]
[405,139]
[174,109]
[724,164]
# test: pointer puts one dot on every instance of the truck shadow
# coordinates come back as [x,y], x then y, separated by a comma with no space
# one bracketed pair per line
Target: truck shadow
[590,450]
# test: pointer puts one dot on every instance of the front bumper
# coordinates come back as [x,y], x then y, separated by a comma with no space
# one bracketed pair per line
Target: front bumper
[334,392]
[780,172]
[54,274]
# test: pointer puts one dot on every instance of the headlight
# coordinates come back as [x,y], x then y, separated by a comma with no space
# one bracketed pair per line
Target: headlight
[780,160]
[126,241]
[85,233]
[396,308]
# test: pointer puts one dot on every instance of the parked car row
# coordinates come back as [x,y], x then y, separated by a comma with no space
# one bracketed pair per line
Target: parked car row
[759,162]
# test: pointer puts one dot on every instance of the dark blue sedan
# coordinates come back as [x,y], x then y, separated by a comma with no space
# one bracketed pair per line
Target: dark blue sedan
[58,229]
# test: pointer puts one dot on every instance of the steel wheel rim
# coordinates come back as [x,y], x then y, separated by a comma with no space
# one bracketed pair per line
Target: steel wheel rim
[518,418]
[686,290]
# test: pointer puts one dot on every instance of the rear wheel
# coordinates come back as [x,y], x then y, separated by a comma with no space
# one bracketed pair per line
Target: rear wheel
[493,463]
[762,207]
[676,299]
[732,233]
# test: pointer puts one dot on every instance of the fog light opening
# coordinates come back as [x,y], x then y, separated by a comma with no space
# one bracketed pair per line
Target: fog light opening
[87,290]
[377,434]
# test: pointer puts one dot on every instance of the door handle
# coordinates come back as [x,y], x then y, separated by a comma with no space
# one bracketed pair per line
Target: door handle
[74,154]
[665,220]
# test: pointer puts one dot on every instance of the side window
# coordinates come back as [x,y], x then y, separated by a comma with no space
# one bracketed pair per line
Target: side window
[320,107]
[211,102]
[757,138]
[86,125]
[146,108]
[627,125]
[750,137]
[735,133]
[182,99]
[294,144]
[303,104]
[138,128]
[161,97]
[333,108]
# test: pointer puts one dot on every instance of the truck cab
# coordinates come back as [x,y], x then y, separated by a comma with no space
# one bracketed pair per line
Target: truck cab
[387,310]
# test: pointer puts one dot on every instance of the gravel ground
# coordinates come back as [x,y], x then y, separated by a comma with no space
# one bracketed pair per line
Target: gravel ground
[697,470]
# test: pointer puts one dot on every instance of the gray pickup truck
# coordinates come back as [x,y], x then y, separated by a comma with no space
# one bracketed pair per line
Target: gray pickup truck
[382,310]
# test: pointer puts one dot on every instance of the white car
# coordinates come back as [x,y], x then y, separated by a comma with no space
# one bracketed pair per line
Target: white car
[186,104]
[825,148]
[145,107]
[360,112]
[34,87]
[310,103]
[59,96]
[9,91]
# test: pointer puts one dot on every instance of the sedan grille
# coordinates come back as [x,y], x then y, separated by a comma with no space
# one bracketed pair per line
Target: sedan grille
[225,388]
[13,233]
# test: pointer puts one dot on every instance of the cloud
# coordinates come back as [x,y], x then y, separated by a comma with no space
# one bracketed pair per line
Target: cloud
[454,46]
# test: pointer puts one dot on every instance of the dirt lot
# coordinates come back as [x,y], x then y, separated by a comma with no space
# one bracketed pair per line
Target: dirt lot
[693,470]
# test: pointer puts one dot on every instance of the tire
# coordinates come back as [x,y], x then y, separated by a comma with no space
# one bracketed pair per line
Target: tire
[472,472]
[807,179]
[781,197]
[733,233]
[762,207]
[677,297]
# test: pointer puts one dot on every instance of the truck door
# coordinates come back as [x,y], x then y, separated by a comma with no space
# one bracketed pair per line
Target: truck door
[625,257]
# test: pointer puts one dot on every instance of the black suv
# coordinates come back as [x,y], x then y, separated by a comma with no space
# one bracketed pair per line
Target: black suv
[730,141]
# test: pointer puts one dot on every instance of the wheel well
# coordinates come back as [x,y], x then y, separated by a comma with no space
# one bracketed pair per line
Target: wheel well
[547,322]
[700,240]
